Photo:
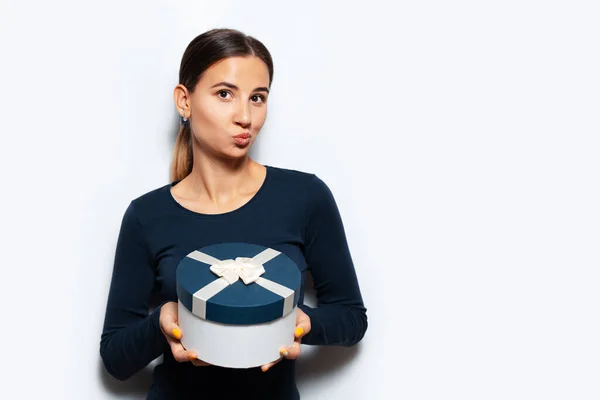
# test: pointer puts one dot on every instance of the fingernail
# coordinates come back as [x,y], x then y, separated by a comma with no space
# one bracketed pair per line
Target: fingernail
[283,352]
[193,357]
[176,332]
[299,332]
[264,368]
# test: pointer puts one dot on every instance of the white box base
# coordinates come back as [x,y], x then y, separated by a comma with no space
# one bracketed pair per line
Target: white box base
[236,346]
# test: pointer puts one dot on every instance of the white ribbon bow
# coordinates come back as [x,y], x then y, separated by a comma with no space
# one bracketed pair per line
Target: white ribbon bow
[241,267]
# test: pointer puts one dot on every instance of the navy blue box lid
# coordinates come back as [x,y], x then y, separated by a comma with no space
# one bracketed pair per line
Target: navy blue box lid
[271,293]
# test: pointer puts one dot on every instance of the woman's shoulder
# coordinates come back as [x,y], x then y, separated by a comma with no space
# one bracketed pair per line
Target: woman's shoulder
[299,180]
[290,174]
[150,201]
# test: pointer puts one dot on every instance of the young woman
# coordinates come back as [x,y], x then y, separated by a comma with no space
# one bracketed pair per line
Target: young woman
[219,194]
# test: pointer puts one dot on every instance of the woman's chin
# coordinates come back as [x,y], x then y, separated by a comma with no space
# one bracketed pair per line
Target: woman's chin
[236,153]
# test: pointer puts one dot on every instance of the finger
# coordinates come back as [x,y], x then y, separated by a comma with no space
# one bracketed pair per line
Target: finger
[266,367]
[170,328]
[182,355]
[303,325]
[168,322]
[179,352]
[173,330]
[291,352]
[302,328]
[199,363]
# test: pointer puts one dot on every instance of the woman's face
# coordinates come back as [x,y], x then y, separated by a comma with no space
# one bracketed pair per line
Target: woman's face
[228,106]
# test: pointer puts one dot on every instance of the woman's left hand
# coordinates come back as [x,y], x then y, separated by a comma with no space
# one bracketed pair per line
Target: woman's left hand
[292,352]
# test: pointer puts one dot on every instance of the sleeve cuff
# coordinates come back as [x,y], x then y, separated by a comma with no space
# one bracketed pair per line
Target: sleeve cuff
[316,334]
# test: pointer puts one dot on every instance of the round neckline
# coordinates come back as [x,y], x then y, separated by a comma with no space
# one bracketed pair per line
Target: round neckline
[225,214]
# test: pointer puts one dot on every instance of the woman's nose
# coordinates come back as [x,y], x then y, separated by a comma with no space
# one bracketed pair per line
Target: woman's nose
[243,116]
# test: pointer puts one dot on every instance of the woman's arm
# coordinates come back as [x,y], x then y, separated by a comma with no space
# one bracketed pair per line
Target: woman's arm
[340,317]
[131,338]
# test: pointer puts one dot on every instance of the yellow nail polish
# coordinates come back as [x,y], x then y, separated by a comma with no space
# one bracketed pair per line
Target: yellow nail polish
[176,332]
[192,357]
[299,332]
[283,352]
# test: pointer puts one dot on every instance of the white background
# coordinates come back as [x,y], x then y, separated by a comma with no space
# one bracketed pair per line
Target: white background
[461,140]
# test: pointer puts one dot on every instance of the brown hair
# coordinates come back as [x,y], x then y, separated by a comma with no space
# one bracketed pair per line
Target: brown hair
[202,52]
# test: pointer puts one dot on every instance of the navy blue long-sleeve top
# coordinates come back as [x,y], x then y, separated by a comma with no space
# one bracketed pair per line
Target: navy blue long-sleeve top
[293,212]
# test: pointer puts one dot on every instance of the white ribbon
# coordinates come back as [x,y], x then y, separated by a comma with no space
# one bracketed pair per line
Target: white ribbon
[229,271]
[241,267]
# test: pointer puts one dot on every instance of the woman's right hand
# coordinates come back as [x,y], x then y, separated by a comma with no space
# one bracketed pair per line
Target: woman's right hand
[172,331]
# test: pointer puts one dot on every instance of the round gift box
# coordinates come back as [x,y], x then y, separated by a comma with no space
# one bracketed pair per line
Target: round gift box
[237,303]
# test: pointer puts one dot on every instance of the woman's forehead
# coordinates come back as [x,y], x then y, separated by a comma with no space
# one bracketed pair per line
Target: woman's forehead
[240,71]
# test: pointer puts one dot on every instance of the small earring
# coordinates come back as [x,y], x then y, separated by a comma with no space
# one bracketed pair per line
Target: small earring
[183,118]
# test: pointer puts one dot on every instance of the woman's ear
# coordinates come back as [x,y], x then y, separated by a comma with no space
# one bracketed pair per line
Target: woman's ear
[182,97]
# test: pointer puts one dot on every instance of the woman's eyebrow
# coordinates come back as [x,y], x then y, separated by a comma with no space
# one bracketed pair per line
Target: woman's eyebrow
[234,87]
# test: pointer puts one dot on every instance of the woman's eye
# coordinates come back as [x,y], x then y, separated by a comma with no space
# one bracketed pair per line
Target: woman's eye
[258,98]
[223,94]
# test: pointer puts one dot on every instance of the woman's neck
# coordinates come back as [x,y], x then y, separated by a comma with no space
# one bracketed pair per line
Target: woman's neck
[221,181]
